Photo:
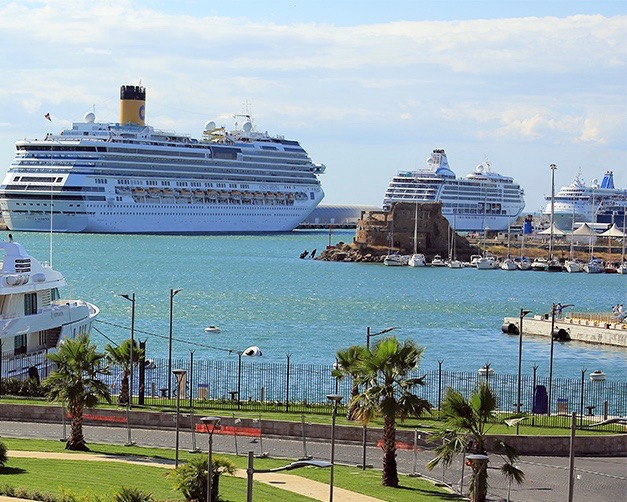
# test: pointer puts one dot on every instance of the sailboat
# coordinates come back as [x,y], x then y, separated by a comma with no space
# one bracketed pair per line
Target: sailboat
[508,263]
[572,265]
[553,264]
[524,263]
[594,265]
[452,261]
[417,259]
[393,259]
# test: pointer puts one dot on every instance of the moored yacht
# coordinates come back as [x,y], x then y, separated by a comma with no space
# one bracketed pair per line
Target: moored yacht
[34,319]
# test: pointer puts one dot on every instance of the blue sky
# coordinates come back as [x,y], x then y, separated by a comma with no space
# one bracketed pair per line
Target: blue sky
[367,87]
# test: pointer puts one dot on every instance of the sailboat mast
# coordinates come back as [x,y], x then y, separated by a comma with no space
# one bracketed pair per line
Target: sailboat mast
[553,168]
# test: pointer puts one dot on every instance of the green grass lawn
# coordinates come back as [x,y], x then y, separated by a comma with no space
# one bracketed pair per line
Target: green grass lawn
[105,478]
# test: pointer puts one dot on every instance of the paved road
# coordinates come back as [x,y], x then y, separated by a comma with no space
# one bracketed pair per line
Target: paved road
[598,479]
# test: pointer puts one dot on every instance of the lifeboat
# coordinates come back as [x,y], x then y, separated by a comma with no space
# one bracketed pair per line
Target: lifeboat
[167,192]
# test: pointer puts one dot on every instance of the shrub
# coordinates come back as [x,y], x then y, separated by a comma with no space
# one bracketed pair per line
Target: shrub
[132,495]
[191,478]
[3,454]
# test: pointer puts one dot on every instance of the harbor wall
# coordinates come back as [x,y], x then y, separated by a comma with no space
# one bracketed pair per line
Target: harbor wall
[602,445]
[580,330]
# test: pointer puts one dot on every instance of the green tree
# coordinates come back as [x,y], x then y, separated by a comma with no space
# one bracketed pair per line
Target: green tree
[466,427]
[191,478]
[384,372]
[120,355]
[75,383]
[347,367]
[3,454]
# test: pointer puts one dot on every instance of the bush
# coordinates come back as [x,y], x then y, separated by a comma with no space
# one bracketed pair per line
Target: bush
[132,495]
[191,478]
[24,388]
[3,454]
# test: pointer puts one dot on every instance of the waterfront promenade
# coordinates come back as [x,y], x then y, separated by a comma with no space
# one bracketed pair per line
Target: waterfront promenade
[597,478]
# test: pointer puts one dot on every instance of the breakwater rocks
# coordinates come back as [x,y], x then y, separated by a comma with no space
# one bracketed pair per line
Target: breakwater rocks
[348,253]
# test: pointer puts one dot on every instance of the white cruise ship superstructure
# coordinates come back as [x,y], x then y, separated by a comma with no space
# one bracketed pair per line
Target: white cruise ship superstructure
[596,203]
[483,200]
[132,178]
[34,319]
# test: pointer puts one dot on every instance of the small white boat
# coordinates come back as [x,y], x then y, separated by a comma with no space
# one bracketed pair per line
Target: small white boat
[540,265]
[523,264]
[212,329]
[622,268]
[594,266]
[597,376]
[508,264]
[485,370]
[487,263]
[454,264]
[394,260]
[438,261]
[416,260]
[573,266]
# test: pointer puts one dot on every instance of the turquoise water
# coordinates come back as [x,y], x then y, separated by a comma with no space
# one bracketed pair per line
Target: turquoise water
[258,291]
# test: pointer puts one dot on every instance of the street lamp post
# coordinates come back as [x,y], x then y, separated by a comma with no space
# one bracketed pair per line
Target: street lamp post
[335,398]
[252,351]
[130,384]
[479,462]
[523,313]
[213,422]
[364,435]
[180,376]
[250,471]
[553,309]
[173,293]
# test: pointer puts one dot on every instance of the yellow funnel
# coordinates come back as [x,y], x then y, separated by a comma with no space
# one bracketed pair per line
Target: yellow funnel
[132,104]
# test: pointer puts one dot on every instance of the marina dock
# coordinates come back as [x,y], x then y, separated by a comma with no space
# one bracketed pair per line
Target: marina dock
[600,329]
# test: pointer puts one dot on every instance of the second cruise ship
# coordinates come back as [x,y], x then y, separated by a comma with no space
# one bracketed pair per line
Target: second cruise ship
[132,178]
[483,200]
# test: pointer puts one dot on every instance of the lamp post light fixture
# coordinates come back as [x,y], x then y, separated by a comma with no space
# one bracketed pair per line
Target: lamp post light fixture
[553,309]
[364,434]
[479,463]
[130,384]
[213,422]
[180,376]
[523,313]
[370,335]
[173,293]
[335,399]
[294,465]
[252,351]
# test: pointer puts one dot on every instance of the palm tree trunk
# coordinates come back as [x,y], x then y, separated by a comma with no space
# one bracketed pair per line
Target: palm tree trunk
[76,441]
[350,414]
[390,471]
[123,396]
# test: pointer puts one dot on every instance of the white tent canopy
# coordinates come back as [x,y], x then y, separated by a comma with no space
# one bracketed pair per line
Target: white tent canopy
[556,231]
[613,231]
[585,229]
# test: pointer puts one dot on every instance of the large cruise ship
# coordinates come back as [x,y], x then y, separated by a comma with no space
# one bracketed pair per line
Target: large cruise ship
[132,178]
[483,200]
[596,203]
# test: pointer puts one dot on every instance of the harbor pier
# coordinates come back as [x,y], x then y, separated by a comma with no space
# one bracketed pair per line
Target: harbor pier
[601,329]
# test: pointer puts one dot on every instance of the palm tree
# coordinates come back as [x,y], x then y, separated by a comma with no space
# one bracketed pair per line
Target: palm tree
[75,382]
[466,428]
[120,355]
[347,367]
[384,371]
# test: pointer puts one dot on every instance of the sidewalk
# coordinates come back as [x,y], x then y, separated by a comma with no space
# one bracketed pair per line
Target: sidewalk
[292,483]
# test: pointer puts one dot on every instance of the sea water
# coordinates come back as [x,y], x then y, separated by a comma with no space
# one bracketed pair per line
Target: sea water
[258,291]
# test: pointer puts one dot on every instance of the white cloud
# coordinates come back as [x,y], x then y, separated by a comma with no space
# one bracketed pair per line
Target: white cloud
[405,86]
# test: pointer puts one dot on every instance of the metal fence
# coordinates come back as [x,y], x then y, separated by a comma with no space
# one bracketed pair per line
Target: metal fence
[247,384]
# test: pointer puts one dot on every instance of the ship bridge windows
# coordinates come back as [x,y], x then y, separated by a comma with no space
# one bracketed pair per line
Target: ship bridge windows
[30,303]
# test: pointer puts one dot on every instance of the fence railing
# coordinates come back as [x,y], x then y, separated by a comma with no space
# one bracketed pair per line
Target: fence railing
[256,386]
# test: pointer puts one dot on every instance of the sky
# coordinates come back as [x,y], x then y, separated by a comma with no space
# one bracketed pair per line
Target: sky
[368,87]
